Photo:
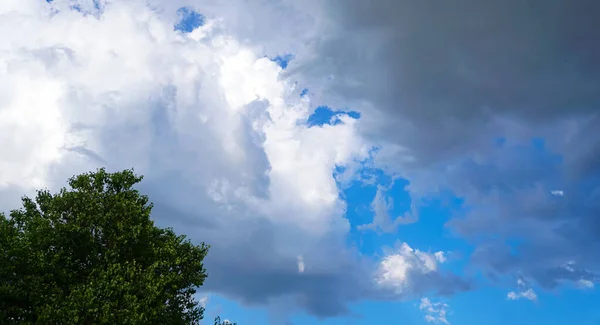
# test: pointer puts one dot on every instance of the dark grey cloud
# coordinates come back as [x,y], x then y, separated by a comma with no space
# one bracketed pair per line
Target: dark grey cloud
[440,82]
[447,75]
[253,261]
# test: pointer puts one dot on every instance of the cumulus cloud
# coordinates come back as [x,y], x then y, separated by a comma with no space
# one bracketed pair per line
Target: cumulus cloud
[407,271]
[528,294]
[435,312]
[218,133]
[524,291]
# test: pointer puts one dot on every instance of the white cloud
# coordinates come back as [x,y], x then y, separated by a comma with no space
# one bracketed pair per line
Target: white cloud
[203,301]
[585,284]
[440,256]
[528,294]
[68,79]
[381,205]
[300,264]
[396,270]
[209,121]
[524,292]
[557,193]
[435,312]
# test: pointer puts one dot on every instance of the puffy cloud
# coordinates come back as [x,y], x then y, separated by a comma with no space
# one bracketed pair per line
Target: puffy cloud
[524,292]
[220,136]
[407,271]
[528,294]
[435,312]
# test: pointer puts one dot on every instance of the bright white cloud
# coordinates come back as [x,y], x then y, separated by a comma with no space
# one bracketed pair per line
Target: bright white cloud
[68,79]
[396,270]
[440,256]
[528,294]
[78,92]
[435,312]
[524,291]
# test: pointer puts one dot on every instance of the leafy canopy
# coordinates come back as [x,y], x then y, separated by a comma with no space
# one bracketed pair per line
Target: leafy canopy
[91,254]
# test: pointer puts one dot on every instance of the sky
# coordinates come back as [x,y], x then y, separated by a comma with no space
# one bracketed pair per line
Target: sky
[348,161]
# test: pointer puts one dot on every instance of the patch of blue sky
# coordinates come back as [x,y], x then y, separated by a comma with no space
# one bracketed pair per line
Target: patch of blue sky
[491,306]
[325,115]
[95,10]
[304,92]
[429,233]
[188,20]
[283,60]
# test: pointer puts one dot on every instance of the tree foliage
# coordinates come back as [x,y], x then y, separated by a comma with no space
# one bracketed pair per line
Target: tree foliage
[91,254]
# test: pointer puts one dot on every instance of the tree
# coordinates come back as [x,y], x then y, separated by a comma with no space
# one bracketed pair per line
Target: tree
[91,254]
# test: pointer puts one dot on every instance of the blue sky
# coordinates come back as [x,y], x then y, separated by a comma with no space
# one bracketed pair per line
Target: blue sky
[400,162]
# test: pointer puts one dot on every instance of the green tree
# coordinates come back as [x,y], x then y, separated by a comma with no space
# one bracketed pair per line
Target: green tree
[91,254]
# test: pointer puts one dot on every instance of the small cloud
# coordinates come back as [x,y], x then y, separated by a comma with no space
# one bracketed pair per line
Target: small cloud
[382,205]
[528,294]
[585,284]
[395,269]
[300,264]
[557,193]
[440,256]
[569,266]
[435,312]
[203,301]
